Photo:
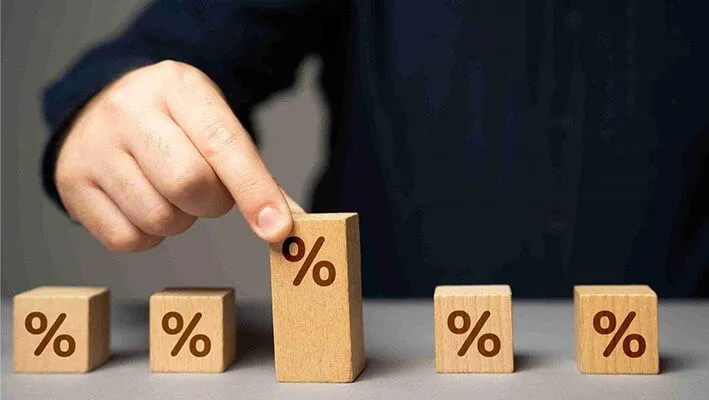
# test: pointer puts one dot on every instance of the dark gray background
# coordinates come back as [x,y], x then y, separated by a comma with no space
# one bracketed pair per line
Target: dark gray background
[40,38]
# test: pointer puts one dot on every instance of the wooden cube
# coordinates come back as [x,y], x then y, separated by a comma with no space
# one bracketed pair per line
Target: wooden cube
[192,330]
[473,328]
[61,329]
[616,329]
[317,300]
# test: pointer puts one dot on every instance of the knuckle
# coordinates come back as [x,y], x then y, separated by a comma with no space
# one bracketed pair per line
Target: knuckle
[157,141]
[66,176]
[188,183]
[161,219]
[218,138]
[125,241]
[220,207]
[119,98]
[184,73]
[70,179]
[172,66]
[248,186]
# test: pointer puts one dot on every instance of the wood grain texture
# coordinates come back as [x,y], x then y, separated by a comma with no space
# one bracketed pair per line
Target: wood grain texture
[216,310]
[464,307]
[593,354]
[86,321]
[318,328]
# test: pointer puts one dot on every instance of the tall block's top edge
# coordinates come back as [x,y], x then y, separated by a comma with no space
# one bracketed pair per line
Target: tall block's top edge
[472,290]
[614,290]
[324,216]
[64,292]
[194,292]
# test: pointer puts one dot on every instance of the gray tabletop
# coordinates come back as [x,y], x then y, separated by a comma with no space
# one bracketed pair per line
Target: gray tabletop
[399,348]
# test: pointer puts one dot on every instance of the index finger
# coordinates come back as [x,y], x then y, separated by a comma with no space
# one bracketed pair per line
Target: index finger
[199,108]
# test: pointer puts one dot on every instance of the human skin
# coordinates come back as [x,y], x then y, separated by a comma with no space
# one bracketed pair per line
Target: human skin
[155,150]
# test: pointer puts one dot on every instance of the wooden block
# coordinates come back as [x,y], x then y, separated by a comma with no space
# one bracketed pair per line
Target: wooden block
[473,328]
[616,329]
[192,330]
[61,329]
[317,300]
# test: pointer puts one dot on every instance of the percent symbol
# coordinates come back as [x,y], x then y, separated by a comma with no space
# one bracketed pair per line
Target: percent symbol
[179,324]
[597,325]
[300,253]
[42,328]
[465,327]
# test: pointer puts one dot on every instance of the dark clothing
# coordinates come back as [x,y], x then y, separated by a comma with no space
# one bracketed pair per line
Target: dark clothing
[537,143]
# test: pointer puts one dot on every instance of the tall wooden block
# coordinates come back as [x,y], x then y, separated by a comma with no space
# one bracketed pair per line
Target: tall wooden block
[616,329]
[317,300]
[473,328]
[192,330]
[61,329]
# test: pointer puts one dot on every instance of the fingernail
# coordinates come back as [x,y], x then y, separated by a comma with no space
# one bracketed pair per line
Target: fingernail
[270,221]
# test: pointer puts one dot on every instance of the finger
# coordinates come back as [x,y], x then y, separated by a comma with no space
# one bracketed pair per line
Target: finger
[199,109]
[123,181]
[295,208]
[173,165]
[91,207]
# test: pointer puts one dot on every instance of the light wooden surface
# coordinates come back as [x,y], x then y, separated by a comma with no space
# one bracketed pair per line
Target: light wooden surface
[210,315]
[612,322]
[317,316]
[473,329]
[61,329]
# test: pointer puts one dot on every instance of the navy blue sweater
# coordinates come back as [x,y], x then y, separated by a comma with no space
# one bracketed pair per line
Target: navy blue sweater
[541,143]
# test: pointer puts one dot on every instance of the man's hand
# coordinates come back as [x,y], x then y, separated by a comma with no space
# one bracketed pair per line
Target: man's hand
[158,148]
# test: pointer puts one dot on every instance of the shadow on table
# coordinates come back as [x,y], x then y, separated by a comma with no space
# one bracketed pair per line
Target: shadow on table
[123,357]
[680,362]
[254,343]
[383,367]
[527,360]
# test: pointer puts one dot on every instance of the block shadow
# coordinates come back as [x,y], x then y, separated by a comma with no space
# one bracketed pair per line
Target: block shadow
[525,360]
[670,363]
[377,367]
[123,357]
